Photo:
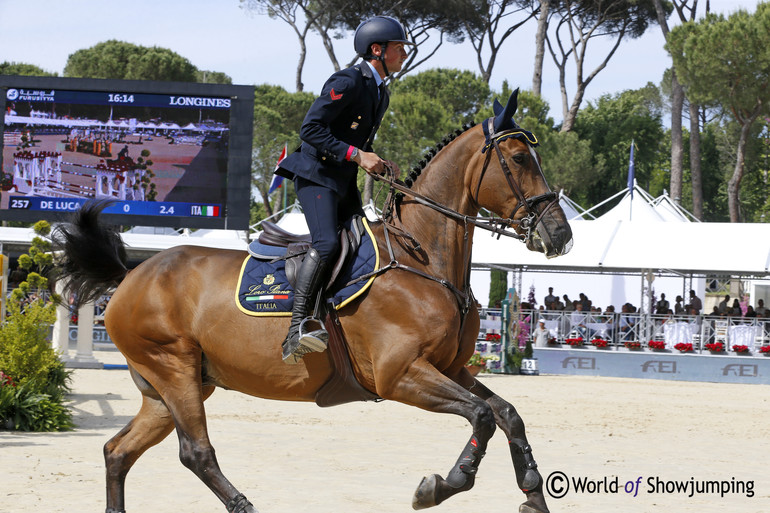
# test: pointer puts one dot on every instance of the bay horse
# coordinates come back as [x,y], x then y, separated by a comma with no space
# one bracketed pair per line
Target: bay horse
[175,320]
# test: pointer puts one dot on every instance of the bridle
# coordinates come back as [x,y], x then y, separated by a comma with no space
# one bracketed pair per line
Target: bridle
[532,218]
[495,225]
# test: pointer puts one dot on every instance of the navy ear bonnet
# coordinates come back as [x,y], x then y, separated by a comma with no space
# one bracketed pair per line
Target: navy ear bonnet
[504,125]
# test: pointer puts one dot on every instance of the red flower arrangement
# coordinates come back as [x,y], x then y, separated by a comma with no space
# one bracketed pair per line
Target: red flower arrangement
[683,348]
[716,347]
[574,341]
[741,349]
[5,379]
[492,337]
[656,344]
[633,345]
[764,349]
[599,342]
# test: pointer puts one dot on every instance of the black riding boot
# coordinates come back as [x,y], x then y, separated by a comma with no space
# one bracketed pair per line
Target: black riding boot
[310,278]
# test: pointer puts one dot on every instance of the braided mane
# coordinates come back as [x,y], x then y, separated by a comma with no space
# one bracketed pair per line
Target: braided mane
[417,170]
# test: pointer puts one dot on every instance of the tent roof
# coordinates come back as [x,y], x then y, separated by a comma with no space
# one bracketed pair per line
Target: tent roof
[629,246]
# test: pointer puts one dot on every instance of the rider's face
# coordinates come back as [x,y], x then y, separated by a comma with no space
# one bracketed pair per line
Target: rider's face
[395,55]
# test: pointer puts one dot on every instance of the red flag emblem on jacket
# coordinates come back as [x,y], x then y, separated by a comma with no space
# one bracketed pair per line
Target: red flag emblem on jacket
[335,96]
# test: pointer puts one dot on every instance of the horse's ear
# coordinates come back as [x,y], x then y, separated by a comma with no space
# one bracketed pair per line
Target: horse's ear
[504,117]
[497,107]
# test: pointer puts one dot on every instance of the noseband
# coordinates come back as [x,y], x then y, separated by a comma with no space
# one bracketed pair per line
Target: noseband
[531,218]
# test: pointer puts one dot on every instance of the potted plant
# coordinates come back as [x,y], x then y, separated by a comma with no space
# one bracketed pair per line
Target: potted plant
[476,363]
[741,349]
[574,342]
[658,345]
[715,347]
[599,342]
[683,347]
[528,363]
[765,350]
[632,344]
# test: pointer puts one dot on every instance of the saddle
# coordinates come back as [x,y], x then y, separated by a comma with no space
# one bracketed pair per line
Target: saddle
[342,387]
[296,246]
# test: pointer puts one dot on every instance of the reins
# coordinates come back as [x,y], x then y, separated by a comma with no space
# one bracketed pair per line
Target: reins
[495,225]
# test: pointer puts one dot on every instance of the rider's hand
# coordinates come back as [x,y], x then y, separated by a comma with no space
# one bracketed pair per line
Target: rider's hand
[374,164]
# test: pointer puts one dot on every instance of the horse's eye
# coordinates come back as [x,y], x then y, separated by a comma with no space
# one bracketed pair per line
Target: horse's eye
[519,158]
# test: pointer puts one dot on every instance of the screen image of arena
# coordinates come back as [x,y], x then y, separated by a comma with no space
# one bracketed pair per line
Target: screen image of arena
[165,154]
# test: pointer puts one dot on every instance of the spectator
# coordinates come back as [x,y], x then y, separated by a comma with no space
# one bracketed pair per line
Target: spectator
[735,310]
[568,305]
[578,320]
[724,305]
[541,334]
[585,302]
[760,309]
[661,307]
[678,308]
[695,303]
[550,299]
[627,322]
[750,313]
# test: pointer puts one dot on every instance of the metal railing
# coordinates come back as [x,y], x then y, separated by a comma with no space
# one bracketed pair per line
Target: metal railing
[620,330]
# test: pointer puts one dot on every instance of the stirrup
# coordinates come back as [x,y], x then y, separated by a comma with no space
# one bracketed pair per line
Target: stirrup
[314,341]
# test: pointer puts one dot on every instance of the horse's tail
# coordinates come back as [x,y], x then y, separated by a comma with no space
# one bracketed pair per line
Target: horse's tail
[91,257]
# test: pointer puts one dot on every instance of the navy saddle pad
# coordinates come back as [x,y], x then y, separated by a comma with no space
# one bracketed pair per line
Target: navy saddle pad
[263,288]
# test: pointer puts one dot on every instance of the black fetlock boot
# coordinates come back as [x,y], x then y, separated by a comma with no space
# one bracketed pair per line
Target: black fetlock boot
[310,278]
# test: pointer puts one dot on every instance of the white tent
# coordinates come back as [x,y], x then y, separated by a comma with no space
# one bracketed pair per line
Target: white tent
[637,236]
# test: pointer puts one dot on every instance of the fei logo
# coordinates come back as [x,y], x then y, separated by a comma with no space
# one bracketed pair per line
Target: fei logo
[578,362]
[740,369]
[12,94]
[659,367]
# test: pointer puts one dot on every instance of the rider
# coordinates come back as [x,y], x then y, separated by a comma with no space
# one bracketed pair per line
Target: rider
[337,136]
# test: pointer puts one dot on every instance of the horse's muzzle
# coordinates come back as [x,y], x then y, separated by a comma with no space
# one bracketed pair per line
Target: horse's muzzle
[552,236]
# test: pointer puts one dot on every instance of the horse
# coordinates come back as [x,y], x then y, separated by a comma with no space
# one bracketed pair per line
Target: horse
[410,334]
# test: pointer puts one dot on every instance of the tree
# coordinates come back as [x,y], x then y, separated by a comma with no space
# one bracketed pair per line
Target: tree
[728,60]
[212,77]
[333,19]
[542,29]
[497,22]
[298,14]
[121,60]
[423,109]
[686,14]
[22,68]
[422,19]
[278,117]
[498,287]
[610,124]
[579,22]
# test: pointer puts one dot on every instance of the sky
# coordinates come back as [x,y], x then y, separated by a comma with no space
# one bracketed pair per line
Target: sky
[218,35]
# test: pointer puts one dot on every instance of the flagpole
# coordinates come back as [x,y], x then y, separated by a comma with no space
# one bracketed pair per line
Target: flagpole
[285,197]
[631,180]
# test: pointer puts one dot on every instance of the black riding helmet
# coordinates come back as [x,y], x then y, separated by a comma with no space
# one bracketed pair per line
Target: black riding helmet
[381,30]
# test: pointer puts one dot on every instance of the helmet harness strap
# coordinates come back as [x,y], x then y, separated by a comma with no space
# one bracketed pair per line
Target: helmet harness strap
[381,58]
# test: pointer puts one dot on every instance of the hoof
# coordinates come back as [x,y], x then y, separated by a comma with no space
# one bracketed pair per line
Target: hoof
[425,495]
[528,507]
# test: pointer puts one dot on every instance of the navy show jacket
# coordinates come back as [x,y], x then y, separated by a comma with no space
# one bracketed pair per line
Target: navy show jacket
[347,113]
